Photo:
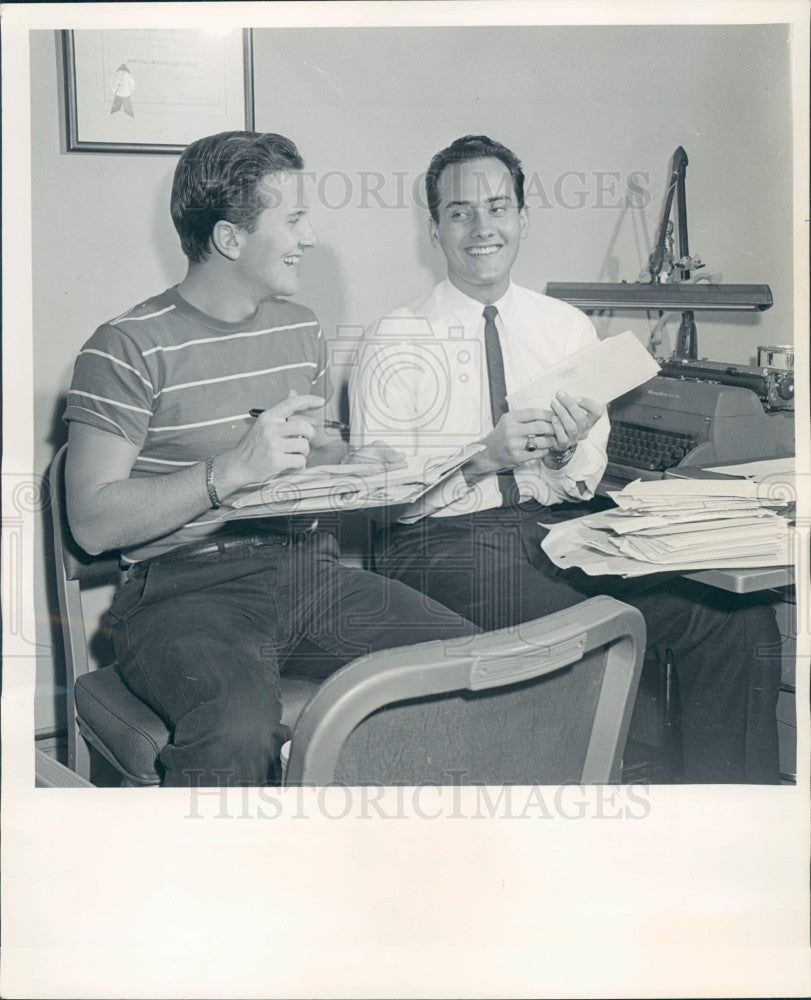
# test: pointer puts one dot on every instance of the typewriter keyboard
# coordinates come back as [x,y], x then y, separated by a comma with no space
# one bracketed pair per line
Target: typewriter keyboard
[647,447]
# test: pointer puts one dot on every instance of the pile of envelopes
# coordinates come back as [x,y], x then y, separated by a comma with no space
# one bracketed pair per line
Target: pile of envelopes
[677,524]
[351,486]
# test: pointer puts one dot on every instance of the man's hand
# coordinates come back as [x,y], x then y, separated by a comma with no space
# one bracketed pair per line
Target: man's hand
[568,421]
[278,440]
[506,444]
[572,419]
[110,509]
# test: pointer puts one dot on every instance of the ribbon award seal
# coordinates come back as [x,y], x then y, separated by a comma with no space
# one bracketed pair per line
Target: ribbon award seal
[122,84]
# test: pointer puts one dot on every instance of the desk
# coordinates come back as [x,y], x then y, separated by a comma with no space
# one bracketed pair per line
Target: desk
[745,581]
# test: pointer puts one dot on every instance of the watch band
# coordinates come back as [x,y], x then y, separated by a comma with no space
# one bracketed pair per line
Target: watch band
[555,459]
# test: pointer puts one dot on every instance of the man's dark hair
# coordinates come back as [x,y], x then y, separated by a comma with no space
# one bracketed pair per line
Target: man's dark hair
[219,177]
[471,147]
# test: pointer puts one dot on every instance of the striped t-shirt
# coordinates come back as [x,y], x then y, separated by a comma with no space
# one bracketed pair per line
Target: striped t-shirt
[178,384]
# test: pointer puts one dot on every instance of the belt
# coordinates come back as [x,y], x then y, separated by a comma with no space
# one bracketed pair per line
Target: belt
[229,543]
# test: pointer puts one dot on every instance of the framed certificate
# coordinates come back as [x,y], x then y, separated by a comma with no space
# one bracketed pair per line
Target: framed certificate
[154,90]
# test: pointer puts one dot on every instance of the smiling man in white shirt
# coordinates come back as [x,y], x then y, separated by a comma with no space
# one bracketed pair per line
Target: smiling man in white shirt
[433,375]
[478,220]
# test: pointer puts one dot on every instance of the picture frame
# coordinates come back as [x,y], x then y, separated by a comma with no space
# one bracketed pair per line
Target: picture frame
[154,90]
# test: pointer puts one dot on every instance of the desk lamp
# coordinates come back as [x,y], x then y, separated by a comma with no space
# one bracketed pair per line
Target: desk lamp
[650,293]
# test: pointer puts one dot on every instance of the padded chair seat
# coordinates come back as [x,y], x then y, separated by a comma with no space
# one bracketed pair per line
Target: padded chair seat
[120,726]
[131,736]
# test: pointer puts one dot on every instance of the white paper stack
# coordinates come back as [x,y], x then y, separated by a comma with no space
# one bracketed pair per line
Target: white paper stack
[672,524]
[346,487]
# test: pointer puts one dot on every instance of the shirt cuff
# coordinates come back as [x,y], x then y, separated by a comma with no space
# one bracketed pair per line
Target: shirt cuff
[586,466]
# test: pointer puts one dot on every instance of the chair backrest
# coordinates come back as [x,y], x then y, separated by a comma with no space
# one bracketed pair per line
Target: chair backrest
[75,570]
[545,702]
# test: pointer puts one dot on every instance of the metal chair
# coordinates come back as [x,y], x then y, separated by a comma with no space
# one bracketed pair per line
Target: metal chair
[103,713]
[545,702]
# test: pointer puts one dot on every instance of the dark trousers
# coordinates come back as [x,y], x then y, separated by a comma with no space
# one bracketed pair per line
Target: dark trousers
[489,567]
[203,640]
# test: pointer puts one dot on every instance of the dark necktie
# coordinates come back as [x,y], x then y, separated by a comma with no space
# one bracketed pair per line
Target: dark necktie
[498,395]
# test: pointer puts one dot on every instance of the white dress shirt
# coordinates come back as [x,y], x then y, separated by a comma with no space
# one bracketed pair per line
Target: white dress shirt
[420,384]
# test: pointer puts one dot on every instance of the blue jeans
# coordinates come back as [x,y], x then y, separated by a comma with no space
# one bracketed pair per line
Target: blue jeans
[489,567]
[202,641]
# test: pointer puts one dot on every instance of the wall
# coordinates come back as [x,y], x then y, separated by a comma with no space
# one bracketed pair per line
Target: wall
[583,107]
[587,100]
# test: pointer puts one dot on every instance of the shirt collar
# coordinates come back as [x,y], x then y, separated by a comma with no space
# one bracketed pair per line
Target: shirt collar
[470,310]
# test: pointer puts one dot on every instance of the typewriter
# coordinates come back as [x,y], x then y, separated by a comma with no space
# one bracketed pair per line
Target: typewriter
[699,413]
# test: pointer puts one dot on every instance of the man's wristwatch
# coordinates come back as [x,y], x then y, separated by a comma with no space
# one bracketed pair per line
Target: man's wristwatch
[555,459]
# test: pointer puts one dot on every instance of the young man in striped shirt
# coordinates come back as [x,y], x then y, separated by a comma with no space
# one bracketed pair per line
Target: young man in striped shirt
[160,435]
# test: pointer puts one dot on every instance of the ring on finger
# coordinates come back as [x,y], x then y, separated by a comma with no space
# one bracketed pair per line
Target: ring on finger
[530,445]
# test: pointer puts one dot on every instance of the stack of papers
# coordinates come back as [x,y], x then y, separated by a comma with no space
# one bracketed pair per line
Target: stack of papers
[346,487]
[676,524]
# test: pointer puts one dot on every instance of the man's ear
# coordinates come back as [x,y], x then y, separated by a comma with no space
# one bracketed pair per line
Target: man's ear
[225,238]
[523,215]
[433,232]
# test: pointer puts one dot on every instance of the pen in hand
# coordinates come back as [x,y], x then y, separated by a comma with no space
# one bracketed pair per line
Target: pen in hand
[375,464]
[335,425]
